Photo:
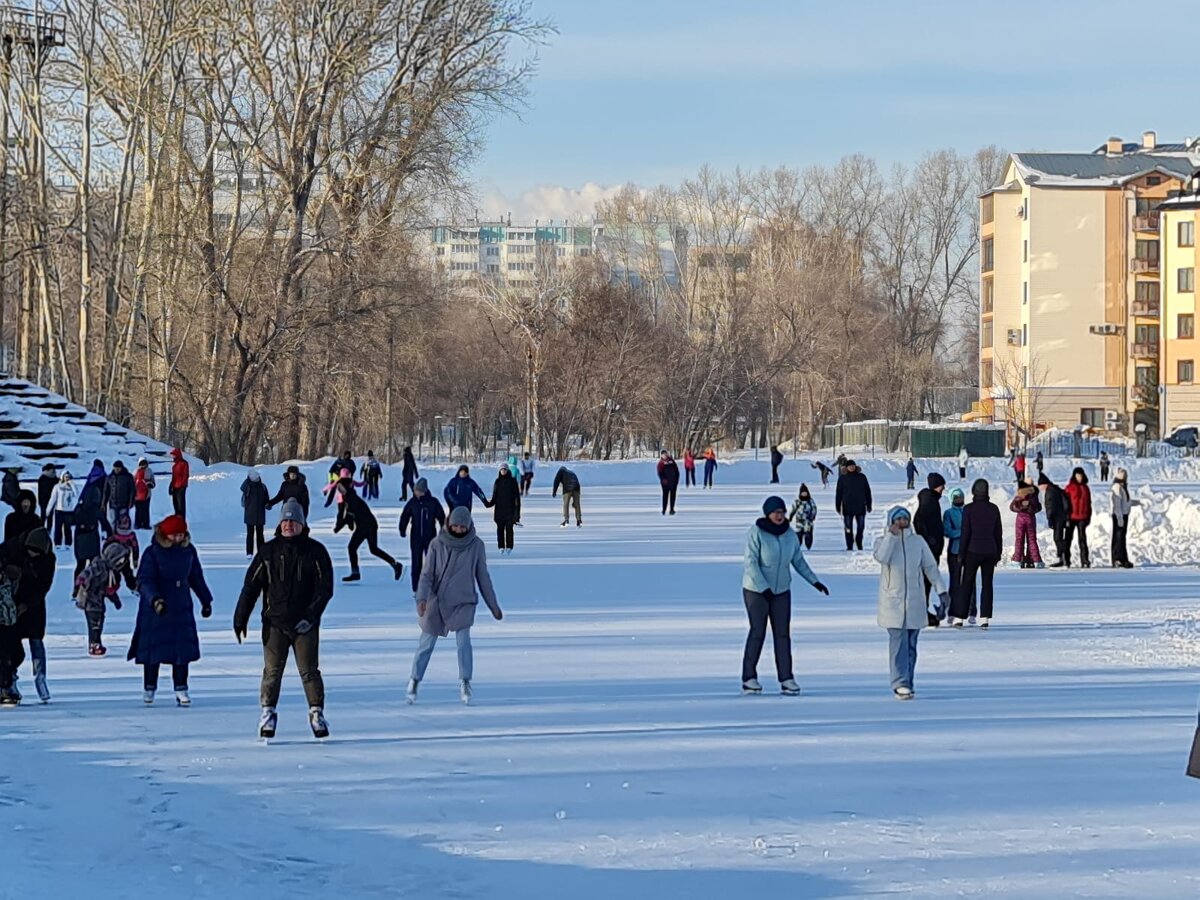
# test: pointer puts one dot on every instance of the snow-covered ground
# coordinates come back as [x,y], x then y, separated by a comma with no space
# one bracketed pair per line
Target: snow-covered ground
[609,753]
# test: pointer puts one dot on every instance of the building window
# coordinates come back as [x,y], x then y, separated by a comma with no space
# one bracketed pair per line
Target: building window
[493,251]
[989,295]
[1186,370]
[1025,251]
[988,255]
[1091,417]
[1024,335]
[1147,250]
[1187,234]
[493,268]
[1146,334]
[1145,376]
[441,251]
[1186,324]
[1153,180]
[1146,291]
[985,373]
[989,208]
[1187,280]
[1025,376]
[985,334]
[585,251]
[1024,292]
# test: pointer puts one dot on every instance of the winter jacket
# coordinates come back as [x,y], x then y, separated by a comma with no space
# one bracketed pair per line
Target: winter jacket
[424,514]
[37,576]
[63,498]
[129,540]
[802,514]
[668,473]
[982,531]
[19,522]
[454,566]
[952,528]
[907,562]
[853,494]
[567,480]
[171,572]
[1058,505]
[119,490]
[89,521]
[963,456]
[528,466]
[180,471]
[776,458]
[459,492]
[689,461]
[1080,496]
[410,472]
[343,462]
[769,558]
[45,487]
[1026,502]
[1122,503]
[710,462]
[911,469]
[143,483]
[1019,465]
[292,489]
[10,487]
[255,498]
[99,582]
[506,499]
[927,521]
[354,513]
[294,576]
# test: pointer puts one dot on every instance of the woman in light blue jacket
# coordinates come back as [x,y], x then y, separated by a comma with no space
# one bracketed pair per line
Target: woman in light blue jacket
[772,551]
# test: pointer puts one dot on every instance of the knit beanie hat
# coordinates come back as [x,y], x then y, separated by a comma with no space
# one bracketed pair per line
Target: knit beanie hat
[253,475]
[1042,479]
[173,525]
[115,553]
[422,485]
[460,517]
[898,512]
[935,481]
[292,511]
[38,539]
[979,490]
[773,503]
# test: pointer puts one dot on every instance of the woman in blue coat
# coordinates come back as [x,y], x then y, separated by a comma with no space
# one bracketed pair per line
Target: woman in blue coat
[166,624]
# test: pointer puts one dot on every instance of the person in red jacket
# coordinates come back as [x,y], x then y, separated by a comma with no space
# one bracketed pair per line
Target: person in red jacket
[689,468]
[179,482]
[1019,467]
[143,484]
[1080,495]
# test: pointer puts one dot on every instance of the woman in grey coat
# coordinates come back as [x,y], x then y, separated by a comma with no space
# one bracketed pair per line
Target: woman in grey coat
[446,598]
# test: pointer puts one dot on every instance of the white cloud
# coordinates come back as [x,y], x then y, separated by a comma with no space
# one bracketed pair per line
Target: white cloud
[545,202]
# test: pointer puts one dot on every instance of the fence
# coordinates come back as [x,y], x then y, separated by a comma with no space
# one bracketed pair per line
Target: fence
[1059,442]
[917,438]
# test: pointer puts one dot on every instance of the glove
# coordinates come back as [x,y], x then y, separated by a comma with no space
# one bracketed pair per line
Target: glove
[116,602]
[239,631]
[303,626]
[820,587]
[205,610]
[160,606]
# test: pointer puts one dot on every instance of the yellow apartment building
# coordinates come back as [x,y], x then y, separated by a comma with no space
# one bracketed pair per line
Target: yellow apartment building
[1070,288]
[1180,394]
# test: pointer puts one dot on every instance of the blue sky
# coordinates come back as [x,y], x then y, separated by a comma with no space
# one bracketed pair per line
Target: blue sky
[648,91]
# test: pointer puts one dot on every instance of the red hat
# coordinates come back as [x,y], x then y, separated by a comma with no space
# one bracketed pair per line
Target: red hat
[173,525]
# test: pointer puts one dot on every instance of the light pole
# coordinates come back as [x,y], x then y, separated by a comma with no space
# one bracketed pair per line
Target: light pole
[462,435]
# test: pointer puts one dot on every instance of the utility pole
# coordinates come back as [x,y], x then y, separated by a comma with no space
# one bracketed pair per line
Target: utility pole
[529,400]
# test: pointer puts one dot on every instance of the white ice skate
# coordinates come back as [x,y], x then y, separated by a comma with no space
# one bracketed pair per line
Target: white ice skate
[267,723]
[410,695]
[182,698]
[751,686]
[464,692]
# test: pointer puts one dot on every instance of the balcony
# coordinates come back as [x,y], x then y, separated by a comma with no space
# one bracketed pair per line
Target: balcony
[1143,266]
[1146,222]
[1145,351]
[1146,308]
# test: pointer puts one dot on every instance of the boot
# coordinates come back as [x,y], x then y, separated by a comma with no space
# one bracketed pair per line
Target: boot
[353,576]
[398,570]
[410,695]
[316,720]
[267,723]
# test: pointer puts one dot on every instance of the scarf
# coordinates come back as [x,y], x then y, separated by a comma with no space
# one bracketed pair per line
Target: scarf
[771,528]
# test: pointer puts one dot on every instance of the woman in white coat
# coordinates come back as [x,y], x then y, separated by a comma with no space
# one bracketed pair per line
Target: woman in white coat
[1122,506]
[906,561]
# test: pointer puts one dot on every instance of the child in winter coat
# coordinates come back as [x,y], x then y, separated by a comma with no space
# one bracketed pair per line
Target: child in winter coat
[1026,505]
[99,582]
[952,529]
[802,516]
[124,535]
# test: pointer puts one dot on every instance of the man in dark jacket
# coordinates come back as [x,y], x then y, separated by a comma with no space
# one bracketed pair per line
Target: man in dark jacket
[980,550]
[928,524]
[424,514]
[294,576]
[776,462]
[345,461]
[10,486]
[668,479]
[408,474]
[506,508]
[89,517]
[255,498]
[46,483]
[118,492]
[355,514]
[293,487]
[852,499]
[569,482]
[461,488]
[1058,515]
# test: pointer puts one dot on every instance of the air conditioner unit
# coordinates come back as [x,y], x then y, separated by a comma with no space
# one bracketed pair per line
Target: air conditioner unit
[1021,211]
[1111,426]
[1108,328]
[1014,337]
[1111,415]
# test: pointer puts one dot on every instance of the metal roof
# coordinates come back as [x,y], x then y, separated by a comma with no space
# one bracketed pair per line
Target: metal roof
[1091,166]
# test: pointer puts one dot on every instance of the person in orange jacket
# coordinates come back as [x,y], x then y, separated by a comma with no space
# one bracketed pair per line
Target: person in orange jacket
[180,471]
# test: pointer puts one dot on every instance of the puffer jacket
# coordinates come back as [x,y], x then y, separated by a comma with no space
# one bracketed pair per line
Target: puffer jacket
[769,559]
[173,573]
[802,514]
[906,560]
[952,527]
[294,576]
[1080,496]
[454,566]
[1122,503]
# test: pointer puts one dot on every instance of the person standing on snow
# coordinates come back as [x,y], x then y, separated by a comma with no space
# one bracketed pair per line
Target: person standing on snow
[772,551]
[255,498]
[852,500]
[1040,462]
[911,472]
[408,473]
[803,516]
[1019,465]
[1058,515]
[294,576]
[294,487]
[46,484]
[1122,506]
[1104,465]
[372,473]
[668,480]
[1025,504]
[446,598]
[527,470]
[180,473]
[343,464]
[461,489]
[928,524]
[165,633]
[776,462]
[963,458]
[981,548]
[29,562]
[61,509]
[952,529]
[354,513]
[907,565]
[124,535]
[506,508]
[569,482]
[689,468]
[98,584]
[24,518]
[143,487]
[1080,518]
[10,486]
[424,514]
[710,466]
[119,492]
[89,517]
